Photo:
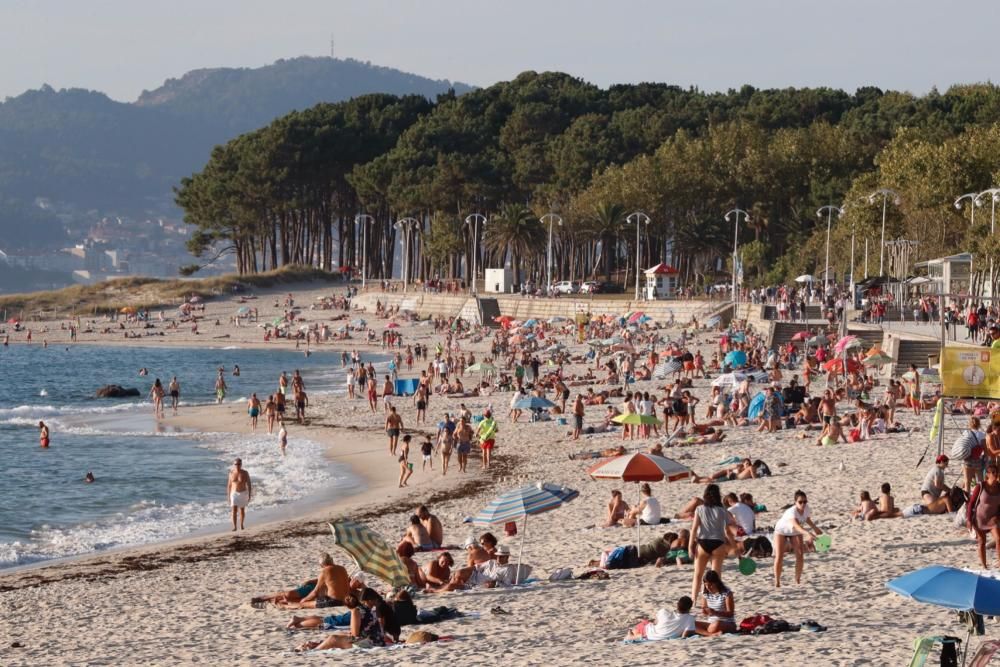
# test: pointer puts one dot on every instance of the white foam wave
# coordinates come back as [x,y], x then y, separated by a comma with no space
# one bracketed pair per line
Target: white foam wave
[276,479]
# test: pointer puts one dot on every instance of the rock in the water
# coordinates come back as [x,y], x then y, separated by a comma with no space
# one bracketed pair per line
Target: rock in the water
[116,391]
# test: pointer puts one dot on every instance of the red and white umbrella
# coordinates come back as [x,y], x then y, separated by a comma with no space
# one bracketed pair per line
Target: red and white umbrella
[846,343]
[392,325]
[640,467]
[802,335]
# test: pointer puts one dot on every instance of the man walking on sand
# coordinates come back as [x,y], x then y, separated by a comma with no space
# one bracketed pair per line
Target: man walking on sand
[239,490]
[393,426]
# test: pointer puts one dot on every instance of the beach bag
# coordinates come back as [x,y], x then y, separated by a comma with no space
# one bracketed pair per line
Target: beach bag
[772,627]
[616,559]
[758,547]
[761,468]
[958,496]
[751,623]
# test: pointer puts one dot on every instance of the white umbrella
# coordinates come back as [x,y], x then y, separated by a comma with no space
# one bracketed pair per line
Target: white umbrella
[804,278]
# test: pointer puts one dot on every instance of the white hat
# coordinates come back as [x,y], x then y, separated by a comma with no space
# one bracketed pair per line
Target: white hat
[503,550]
[469,542]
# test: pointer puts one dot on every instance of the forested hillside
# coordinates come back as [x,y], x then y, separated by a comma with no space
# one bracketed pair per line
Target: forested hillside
[550,142]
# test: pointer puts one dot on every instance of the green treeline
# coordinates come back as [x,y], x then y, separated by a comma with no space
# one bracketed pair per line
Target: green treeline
[289,192]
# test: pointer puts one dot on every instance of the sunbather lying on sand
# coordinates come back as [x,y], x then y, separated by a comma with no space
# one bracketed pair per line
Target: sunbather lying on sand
[742,470]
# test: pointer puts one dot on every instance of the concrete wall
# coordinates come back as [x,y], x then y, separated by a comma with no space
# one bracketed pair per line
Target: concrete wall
[451,305]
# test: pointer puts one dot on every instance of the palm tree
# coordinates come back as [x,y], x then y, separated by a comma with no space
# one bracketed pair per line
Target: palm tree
[604,226]
[514,230]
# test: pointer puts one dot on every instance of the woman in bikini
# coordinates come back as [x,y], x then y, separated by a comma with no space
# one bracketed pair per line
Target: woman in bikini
[709,533]
[984,514]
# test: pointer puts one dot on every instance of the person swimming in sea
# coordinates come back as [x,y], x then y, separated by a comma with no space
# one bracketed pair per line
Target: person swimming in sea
[43,435]
[89,478]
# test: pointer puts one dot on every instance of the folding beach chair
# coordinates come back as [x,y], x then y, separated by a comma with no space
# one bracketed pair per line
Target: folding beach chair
[985,653]
[923,646]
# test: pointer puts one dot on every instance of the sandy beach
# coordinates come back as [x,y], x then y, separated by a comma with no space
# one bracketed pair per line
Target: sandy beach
[188,602]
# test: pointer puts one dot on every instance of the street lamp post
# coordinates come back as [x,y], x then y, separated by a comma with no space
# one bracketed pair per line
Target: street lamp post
[473,220]
[885,194]
[638,219]
[994,195]
[550,218]
[736,213]
[407,225]
[365,221]
[830,210]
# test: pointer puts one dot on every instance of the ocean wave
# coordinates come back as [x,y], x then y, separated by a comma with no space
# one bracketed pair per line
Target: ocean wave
[277,480]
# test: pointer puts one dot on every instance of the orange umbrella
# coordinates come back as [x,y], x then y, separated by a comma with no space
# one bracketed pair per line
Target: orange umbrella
[837,365]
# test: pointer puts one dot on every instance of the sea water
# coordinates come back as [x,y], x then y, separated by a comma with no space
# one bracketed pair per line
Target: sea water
[153,482]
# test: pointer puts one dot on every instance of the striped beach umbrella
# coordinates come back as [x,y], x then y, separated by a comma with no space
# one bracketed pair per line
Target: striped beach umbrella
[665,368]
[520,504]
[370,552]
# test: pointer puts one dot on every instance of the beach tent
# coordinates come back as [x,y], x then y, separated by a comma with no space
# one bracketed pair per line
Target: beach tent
[756,407]
[736,359]
[406,387]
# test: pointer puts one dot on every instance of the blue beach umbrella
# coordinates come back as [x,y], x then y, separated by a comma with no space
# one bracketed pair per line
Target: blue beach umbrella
[736,359]
[531,323]
[950,587]
[533,403]
[756,407]
[520,504]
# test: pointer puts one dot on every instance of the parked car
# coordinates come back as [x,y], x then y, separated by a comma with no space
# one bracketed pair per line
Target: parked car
[605,287]
[589,287]
[564,287]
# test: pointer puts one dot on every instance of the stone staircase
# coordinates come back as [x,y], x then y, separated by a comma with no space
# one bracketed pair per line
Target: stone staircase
[916,352]
[489,311]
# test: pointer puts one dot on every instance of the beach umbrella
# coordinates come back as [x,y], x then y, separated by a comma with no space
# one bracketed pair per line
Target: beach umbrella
[358,323]
[804,278]
[596,343]
[520,504]
[756,376]
[817,341]
[481,367]
[713,321]
[614,340]
[555,347]
[635,418]
[950,587]
[243,310]
[802,335]
[847,343]
[392,325]
[533,403]
[530,323]
[640,467]
[128,309]
[879,358]
[623,347]
[371,553]
[728,380]
[646,318]
[665,368]
[736,358]
[636,316]
[557,319]
[837,365]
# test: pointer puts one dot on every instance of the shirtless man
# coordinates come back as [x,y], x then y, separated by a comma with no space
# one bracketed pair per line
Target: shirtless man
[253,409]
[437,573]
[175,393]
[393,425]
[301,401]
[332,586]
[432,524]
[372,393]
[220,388]
[239,490]
[418,536]
[387,391]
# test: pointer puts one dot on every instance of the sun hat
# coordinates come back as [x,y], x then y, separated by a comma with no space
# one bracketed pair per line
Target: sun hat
[469,542]
[502,550]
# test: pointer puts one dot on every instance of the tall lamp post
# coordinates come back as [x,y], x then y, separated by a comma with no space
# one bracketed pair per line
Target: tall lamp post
[994,195]
[365,221]
[885,194]
[638,219]
[407,226]
[736,213]
[829,210]
[473,220]
[550,218]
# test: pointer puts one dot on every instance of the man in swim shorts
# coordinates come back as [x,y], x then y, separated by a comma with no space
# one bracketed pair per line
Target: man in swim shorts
[220,388]
[253,409]
[175,393]
[393,425]
[487,432]
[239,490]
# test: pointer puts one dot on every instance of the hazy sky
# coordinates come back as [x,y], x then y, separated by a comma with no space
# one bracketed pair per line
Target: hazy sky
[123,46]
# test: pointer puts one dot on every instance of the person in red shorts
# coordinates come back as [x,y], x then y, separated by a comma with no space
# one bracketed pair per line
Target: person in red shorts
[486,432]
